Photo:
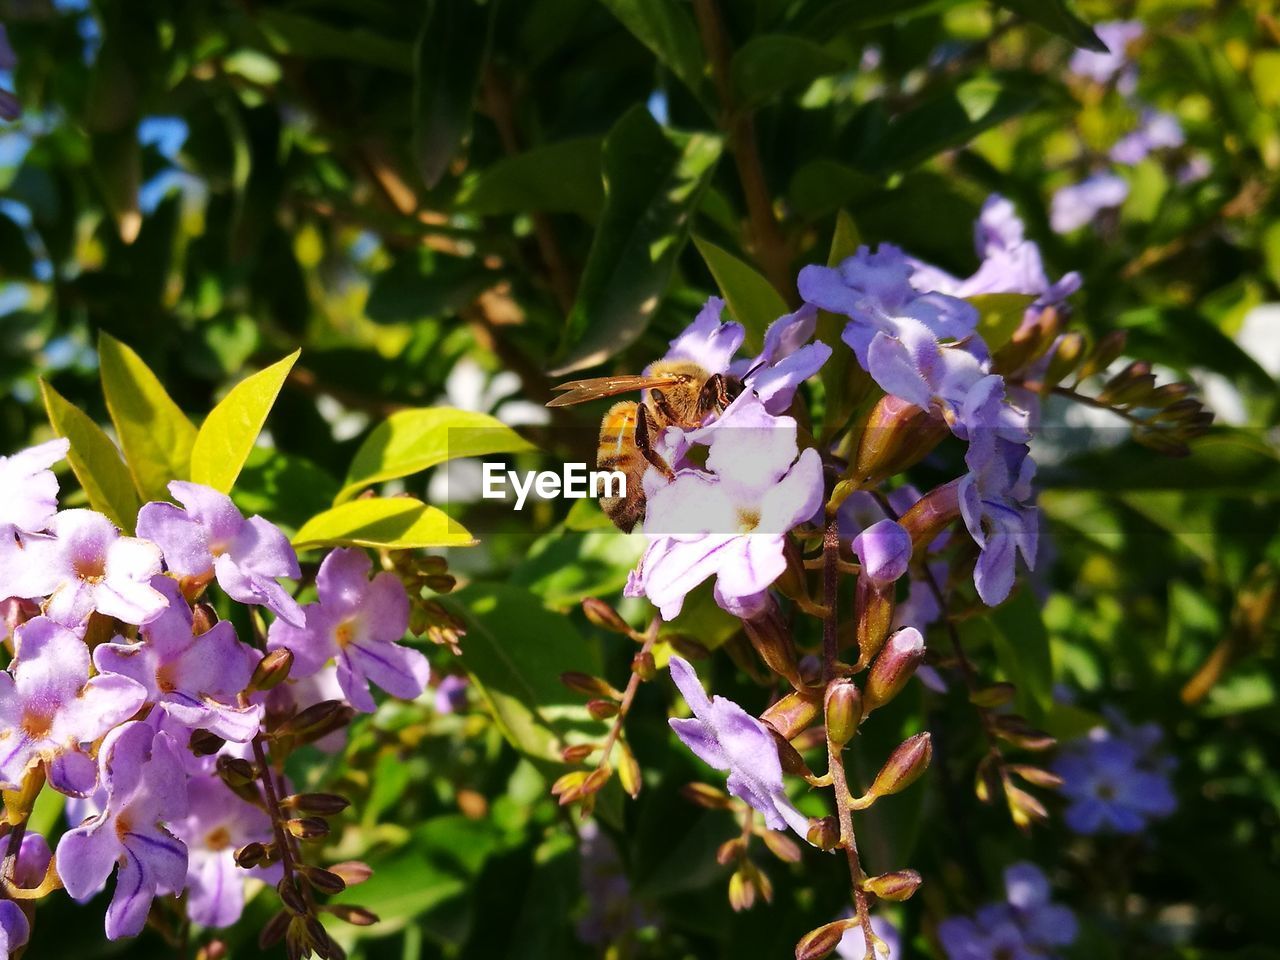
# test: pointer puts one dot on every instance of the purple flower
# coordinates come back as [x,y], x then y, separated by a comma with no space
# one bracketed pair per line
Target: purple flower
[730,520]
[211,538]
[86,566]
[1157,131]
[1116,783]
[786,361]
[28,488]
[194,678]
[612,912]
[29,871]
[451,694]
[853,945]
[49,706]
[217,824]
[14,928]
[357,622]
[1079,204]
[1027,926]
[995,503]
[874,290]
[146,789]
[1117,35]
[726,737]
[884,550]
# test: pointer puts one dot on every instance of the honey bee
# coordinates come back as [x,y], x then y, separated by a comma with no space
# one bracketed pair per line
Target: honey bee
[677,393]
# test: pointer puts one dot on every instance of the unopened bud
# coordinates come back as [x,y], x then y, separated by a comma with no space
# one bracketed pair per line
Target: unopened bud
[884,549]
[290,896]
[742,890]
[203,618]
[440,582]
[213,950]
[823,833]
[602,709]
[352,872]
[273,932]
[903,768]
[1168,393]
[307,828]
[1104,354]
[589,685]
[251,855]
[821,942]
[356,916]
[604,616]
[1036,776]
[568,786]
[1066,356]
[324,804]
[1180,410]
[1131,385]
[790,758]
[1023,807]
[317,720]
[843,711]
[995,695]
[272,670]
[897,435]
[1017,731]
[324,881]
[771,638]
[893,668]
[205,744]
[707,796]
[931,514]
[577,753]
[235,771]
[792,714]
[875,606]
[731,850]
[629,773]
[643,665]
[897,886]
[782,846]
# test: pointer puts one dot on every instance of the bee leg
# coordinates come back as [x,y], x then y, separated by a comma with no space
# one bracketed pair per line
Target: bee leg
[663,406]
[644,443]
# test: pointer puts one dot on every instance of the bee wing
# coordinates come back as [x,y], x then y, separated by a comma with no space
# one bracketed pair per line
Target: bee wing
[580,391]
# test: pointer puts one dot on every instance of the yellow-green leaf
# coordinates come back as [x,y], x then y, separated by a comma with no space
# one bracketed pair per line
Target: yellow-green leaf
[154,433]
[410,441]
[229,432]
[392,523]
[1000,315]
[752,300]
[94,459]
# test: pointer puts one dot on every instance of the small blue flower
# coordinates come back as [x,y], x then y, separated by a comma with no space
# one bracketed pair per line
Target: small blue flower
[1117,780]
[1026,926]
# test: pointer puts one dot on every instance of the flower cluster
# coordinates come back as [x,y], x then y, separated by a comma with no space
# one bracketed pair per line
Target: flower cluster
[1025,925]
[126,693]
[1116,778]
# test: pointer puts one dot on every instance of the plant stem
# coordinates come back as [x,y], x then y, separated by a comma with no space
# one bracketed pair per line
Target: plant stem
[628,695]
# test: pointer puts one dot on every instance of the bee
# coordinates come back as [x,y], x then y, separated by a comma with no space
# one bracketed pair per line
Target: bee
[677,393]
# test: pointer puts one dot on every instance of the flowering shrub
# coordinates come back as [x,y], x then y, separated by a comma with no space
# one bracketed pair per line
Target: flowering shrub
[933,339]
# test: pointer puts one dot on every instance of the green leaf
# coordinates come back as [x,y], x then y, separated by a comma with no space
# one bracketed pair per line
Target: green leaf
[229,431]
[283,486]
[389,523]
[448,60]
[515,651]
[752,300]
[94,459]
[1022,650]
[304,37]
[563,568]
[653,181]
[117,166]
[770,64]
[563,176]
[1056,17]
[1000,315]
[410,441]
[667,28]
[16,260]
[841,16]
[154,433]
[822,186]
[427,283]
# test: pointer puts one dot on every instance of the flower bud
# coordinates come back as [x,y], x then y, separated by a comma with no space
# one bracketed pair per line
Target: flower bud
[629,773]
[782,846]
[324,804]
[577,753]
[643,665]
[931,513]
[884,549]
[1036,776]
[235,771]
[323,881]
[792,714]
[823,833]
[591,686]
[272,670]
[604,616]
[1065,358]
[772,640]
[307,828]
[352,872]
[893,668]
[356,916]
[843,711]
[1107,350]
[875,606]
[440,582]
[317,720]
[205,744]
[602,709]
[821,942]
[995,695]
[290,896]
[1017,731]
[707,796]
[213,950]
[897,886]
[790,758]
[203,618]
[1131,385]
[273,932]
[897,436]
[732,849]
[903,768]
[251,855]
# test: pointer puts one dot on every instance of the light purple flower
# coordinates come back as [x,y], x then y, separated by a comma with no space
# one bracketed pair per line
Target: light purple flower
[786,361]
[726,737]
[86,566]
[49,707]
[995,504]
[29,871]
[359,623]
[451,694]
[1156,131]
[1027,926]
[211,538]
[217,824]
[1103,67]
[875,291]
[1075,206]
[1116,783]
[884,550]
[146,789]
[853,945]
[195,679]
[14,928]
[29,489]
[730,520]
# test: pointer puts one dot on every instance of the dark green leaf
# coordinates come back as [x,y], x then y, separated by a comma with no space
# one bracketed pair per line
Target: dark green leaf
[751,298]
[667,28]
[1056,17]
[768,65]
[297,35]
[562,176]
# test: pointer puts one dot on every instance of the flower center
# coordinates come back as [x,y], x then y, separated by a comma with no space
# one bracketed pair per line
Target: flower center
[37,720]
[218,839]
[344,633]
[123,826]
[166,678]
[748,520]
[90,569]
